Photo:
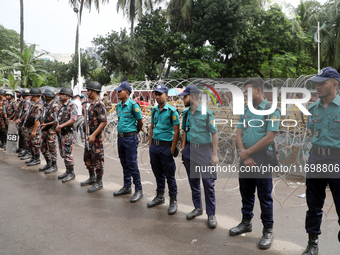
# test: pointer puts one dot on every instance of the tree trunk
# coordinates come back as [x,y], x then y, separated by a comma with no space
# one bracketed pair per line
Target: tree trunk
[77,39]
[131,29]
[21,25]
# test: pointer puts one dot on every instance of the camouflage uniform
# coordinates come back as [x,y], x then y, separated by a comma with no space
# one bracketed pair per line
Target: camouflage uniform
[65,140]
[107,103]
[3,122]
[11,107]
[25,107]
[94,159]
[34,142]
[48,136]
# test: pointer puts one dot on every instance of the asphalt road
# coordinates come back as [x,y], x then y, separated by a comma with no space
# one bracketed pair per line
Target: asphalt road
[40,215]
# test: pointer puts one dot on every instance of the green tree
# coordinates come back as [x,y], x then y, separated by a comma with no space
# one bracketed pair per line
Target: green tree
[25,62]
[133,9]
[120,53]
[7,38]
[88,65]
[154,29]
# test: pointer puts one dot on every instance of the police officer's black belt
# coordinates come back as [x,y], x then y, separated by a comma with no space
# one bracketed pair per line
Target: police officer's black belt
[326,151]
[203,145]
[126,134]
[156,142]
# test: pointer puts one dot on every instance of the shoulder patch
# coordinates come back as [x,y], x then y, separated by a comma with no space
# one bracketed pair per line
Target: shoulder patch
[212,122]
[274,117]
[174,117]
[136,109]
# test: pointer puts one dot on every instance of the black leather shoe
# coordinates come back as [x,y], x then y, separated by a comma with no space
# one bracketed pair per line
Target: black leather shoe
[212,223]
[122,191]
[244,227]
[196,212]
[69,177]
[158,200]
[173,205]
[137,196]
[98,185]
[26,156]
[312,247]
[29,161]
[62,176]
[47,166]
[22,153]
[267,238]
[90,181]
[53,168]
[35,161]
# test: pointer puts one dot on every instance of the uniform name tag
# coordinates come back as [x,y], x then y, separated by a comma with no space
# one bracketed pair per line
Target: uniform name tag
[245,116]
[317,120]
[337,120]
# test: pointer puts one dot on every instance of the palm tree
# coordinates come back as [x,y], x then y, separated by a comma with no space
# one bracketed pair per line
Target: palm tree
[29,65]
[134,8]
[21,25]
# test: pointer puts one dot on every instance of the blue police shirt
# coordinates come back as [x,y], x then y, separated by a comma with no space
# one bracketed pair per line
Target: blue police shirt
[163,125]
[198,126]
[128,115]
[256,127]
[325,123]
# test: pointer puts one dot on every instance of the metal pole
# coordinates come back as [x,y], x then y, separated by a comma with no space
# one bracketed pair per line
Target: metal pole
[318,46]
[79,67]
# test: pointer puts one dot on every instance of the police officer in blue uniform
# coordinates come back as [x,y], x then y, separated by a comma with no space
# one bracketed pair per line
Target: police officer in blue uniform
[199,146]
[324,122]
[164,133]
[129,124]
[255,146]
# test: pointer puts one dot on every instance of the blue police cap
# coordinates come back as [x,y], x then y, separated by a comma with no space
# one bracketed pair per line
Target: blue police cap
[190,89]
[325,74]
[124,85]
[161,88]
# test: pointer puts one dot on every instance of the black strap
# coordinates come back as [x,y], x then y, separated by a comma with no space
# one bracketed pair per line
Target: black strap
[64,113]
[171,120]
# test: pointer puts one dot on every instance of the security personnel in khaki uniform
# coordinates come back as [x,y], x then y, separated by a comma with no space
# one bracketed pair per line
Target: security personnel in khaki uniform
[67,115]
[33,127]
[94,155]
[26,106]
[324,122]
[199,144]
[107,102]
[255,146]
[129,124]
[164,134]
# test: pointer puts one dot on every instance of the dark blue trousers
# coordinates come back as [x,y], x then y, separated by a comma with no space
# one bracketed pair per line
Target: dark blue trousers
[264,188]
[163,166]
[127,150]
[195,183]
[316,193]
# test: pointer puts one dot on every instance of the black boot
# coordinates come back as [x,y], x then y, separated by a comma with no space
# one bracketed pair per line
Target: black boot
[70,175]
[22,153]
[53,168]
[26,156]
[32,154]
[244,227]
[122,191]
[267,238]
[173,205]
[137,196]
[98,185]
[158,200]
[312,247]
[91,180]
[35,161]
[47,166]
[62,176]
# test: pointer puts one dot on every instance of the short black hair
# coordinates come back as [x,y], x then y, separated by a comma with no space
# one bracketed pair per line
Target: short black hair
[141,98]
[127,91]
[255,83]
